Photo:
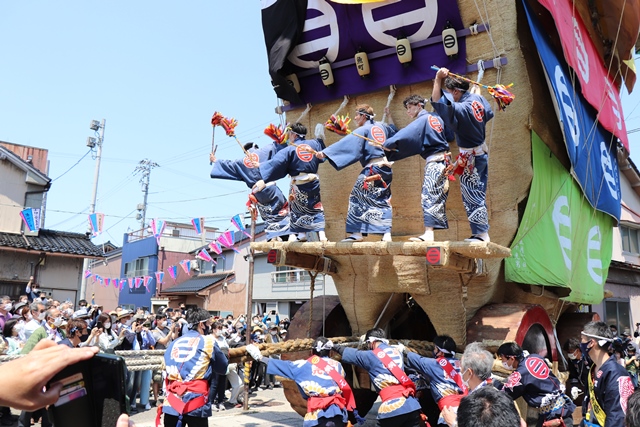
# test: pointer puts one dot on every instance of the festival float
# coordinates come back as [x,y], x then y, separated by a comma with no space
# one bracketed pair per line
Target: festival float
[555,146]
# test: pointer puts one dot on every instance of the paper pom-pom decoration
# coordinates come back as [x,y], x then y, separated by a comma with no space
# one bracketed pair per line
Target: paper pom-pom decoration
[338,124]
[276,133]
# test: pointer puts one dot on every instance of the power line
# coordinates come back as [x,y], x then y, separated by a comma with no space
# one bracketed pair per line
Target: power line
[74,165]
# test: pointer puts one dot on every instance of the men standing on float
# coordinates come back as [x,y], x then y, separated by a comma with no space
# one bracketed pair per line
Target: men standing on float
[425,136]
[298,160]
[370,200]
[467,112]
[269,201]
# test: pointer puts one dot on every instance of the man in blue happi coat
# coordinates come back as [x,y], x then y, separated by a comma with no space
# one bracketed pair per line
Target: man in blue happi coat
[270,202]
[426,136]
[467,112]
[370,200]
[299,161]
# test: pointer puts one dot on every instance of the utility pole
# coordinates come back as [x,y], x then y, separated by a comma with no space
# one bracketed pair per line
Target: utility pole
[93,142]
[144,167]
[249,307]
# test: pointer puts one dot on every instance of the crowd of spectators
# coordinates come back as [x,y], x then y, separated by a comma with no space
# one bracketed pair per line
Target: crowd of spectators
[35,316]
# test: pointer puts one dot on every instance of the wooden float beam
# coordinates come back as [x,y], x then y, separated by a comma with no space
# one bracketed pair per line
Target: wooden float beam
[318,263]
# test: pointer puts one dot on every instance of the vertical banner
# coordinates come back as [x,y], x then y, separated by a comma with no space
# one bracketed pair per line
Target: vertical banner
[31,218]
[592,150]
[561,240]
[96,221]
[582,55]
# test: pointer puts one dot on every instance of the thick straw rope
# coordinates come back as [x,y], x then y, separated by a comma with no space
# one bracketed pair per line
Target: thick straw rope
[392,93]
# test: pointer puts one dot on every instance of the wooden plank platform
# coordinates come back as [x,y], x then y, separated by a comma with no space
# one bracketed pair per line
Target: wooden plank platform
[480,250]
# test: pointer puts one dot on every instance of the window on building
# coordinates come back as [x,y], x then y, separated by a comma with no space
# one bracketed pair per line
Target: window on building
[137,268]
[616,312]
[629,237]
[210,267]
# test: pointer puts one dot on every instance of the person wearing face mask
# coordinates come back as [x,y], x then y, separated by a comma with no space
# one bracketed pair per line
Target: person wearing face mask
[190,362]
[50,330]
[466,112]
[77,333]
[219,382]
[578,373]
[5,308]
[369,208]
[426,136]
[609,383]
[272,338]
[533,380]
[33,319]
[442,373]
[475,367]
[385,366]
[108,340]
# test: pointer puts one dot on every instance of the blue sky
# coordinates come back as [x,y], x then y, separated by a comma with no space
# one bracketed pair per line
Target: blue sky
[156,71]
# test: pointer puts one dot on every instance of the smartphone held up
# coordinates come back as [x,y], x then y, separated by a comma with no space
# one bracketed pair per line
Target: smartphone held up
[93,393]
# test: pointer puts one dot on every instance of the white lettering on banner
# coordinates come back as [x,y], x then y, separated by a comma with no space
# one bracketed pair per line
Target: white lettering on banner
[562,224]
[329,43]
[581,52]
[615,105]
[607,170]
[426,16]
[568,107]
[594,262]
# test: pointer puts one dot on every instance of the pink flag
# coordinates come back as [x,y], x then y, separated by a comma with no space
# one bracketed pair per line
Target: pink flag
[146,281]
[130,279]
[186,264]
[204,255]
[122,283]
[173,272]
[198,224]
[96,221]
[159,277]
[157,227]
[138,282]
[226,240]
[215,247]
[237,222]
[107,282]
[87,274]
[100,279]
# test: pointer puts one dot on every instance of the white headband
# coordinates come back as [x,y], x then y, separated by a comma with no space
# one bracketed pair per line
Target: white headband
[374,339]
[601,340]
[326,346]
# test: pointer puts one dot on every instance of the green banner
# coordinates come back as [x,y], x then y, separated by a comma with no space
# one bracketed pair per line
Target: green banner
[562,241]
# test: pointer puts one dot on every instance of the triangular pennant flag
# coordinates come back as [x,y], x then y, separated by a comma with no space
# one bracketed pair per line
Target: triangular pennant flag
[157,227]
[198,224]
[226,240]
[173,272]
[130,280]
[146,281]
[237,222]
[87,274]
[204,255]
[122,283]
[186,266]
[107,282]
[138,282]
[96,221]
[31,218]
[215,247]
[159,277]
[100,279]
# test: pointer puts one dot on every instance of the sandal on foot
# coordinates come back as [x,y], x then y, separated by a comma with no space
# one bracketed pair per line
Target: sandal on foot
[352,239]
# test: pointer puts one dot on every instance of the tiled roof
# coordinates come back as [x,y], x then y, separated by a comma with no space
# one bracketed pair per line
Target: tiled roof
[198,283]
[52,241]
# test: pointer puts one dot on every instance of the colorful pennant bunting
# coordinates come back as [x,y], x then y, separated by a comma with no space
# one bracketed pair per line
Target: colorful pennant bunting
[226,240]
[186,266]
[237,222]
[157,227]
[159,277]
[173,272]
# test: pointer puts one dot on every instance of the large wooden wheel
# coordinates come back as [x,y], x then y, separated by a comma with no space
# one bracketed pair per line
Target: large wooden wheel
[527,324]
[325,308]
